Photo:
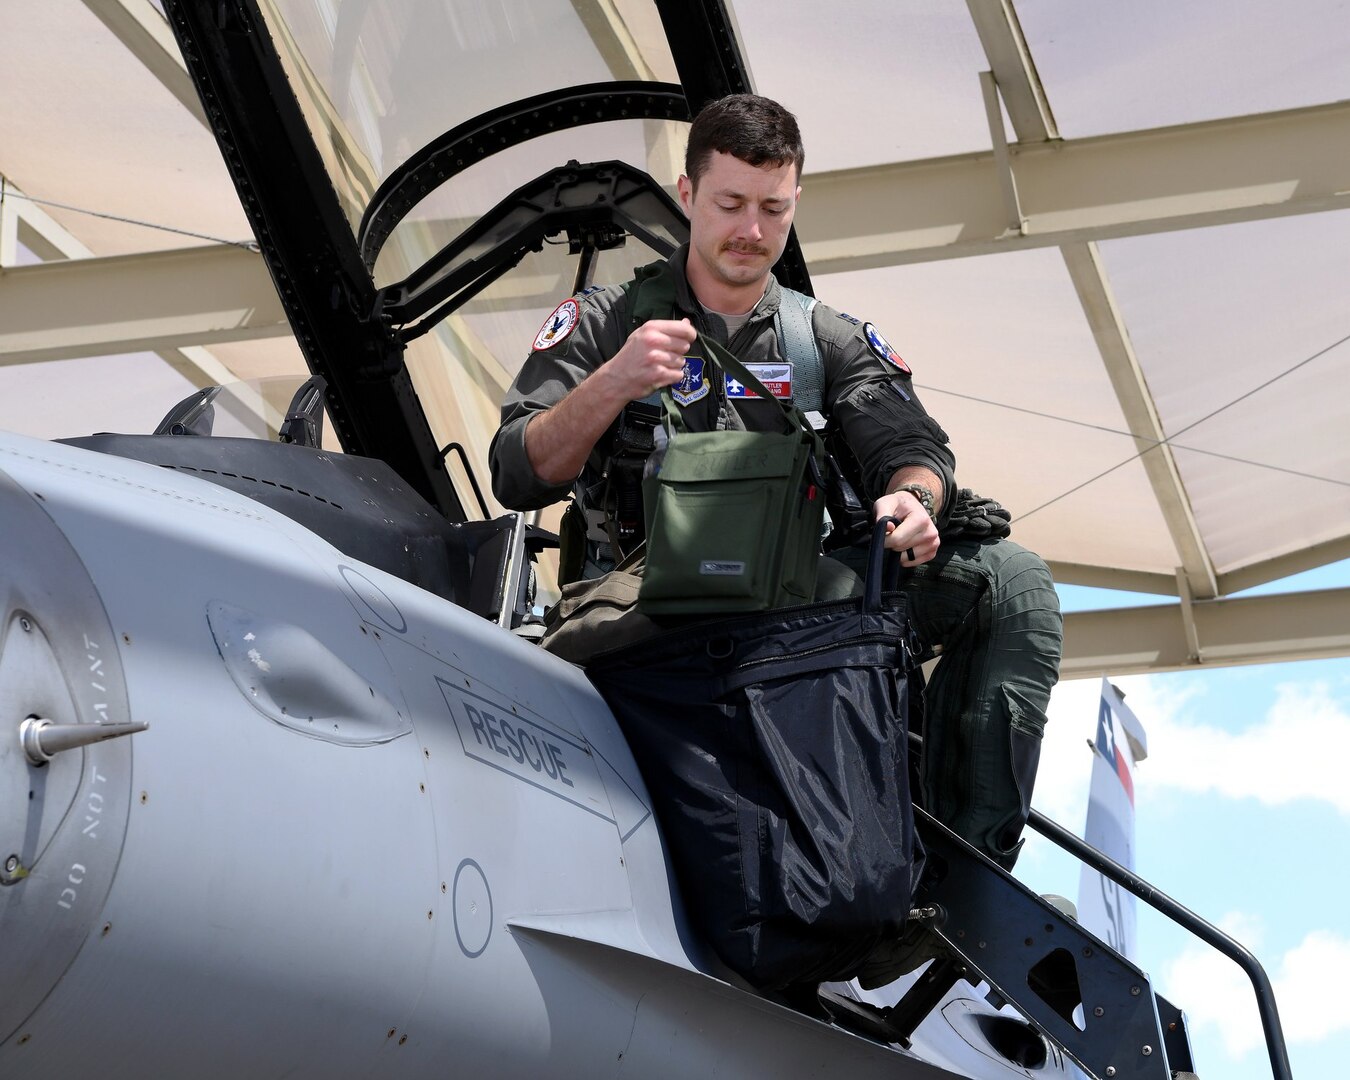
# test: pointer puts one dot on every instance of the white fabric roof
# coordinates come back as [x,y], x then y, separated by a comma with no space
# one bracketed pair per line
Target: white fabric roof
[1150,245]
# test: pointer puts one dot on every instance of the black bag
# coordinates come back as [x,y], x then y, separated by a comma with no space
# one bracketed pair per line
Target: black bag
[774,749]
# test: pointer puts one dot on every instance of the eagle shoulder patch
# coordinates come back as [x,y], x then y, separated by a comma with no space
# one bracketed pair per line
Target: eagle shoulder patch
[558,325]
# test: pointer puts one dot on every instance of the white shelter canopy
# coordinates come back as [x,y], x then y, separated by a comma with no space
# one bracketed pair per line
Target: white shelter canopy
[1111,240]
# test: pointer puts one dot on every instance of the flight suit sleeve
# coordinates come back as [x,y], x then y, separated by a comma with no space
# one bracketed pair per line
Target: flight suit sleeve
[871,397]
[546,377]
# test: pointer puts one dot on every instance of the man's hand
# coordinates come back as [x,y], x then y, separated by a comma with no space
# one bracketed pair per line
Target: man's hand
[558,440]
[651,358]
[916,536]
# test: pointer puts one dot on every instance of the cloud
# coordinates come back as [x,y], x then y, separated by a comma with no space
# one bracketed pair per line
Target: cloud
[1215,992]
[1066,762]
[1218,994]
[1310,1009]
[1296,751]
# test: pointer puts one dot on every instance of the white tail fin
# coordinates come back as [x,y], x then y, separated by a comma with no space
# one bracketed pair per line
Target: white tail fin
[1103,906]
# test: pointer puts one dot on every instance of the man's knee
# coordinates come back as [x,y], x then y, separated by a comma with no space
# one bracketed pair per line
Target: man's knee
[1025,603]
[1019,573]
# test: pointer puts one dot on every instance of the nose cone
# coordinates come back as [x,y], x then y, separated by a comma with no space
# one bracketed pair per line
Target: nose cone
[63,821]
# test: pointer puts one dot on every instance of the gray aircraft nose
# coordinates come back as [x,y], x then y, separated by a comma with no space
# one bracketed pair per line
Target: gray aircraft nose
[65,778]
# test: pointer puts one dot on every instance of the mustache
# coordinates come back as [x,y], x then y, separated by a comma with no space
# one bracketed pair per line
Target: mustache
[745,249]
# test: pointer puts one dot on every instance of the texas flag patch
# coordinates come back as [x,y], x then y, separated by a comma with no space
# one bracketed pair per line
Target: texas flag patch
[882,348]
[558,325]
[777,380]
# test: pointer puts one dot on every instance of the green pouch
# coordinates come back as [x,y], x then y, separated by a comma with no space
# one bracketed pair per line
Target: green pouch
[571,544]
[733,517]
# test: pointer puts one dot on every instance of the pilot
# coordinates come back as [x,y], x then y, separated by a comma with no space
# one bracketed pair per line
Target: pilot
[575,422]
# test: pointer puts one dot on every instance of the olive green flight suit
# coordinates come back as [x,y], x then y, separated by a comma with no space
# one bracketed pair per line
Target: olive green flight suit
[987,606]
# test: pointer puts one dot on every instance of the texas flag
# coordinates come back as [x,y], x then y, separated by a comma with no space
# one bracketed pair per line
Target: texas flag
[1110,750]
[1119,745]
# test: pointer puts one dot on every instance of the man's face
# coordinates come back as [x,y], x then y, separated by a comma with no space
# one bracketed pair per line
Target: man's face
[738,220]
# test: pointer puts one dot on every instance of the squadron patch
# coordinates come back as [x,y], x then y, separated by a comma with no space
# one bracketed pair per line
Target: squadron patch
[694,386]
[882,348]
[777,380]
[558,325]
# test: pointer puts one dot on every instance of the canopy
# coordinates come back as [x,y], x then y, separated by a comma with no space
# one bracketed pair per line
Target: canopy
[1112,241]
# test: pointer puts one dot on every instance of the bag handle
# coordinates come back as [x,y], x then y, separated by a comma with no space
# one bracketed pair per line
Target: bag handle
[726,361]
[652,296]
[882,573]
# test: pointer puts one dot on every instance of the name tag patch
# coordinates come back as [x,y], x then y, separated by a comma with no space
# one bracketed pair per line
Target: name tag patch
[776,377]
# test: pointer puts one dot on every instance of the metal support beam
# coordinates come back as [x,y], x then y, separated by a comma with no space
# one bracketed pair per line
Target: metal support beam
[34,228]
[1109,577]
[131,303]
[1182,177]
[613,39]
[1245,630]
[615,42]
[1295,562]
[1007,183]
[1194,653]
[1013,69]
[1026,101]
[9,227]
[25,222]
[1136,402]
[143,30]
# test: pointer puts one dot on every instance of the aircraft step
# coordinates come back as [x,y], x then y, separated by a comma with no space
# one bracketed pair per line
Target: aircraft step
[984,925]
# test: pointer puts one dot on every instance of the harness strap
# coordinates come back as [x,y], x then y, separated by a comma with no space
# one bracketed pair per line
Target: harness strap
[797,340]
[651,295]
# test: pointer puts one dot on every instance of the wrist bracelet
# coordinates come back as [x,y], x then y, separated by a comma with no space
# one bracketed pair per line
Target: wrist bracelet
[923,493]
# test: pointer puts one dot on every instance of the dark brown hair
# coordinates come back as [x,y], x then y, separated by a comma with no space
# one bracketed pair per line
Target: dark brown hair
[754,129]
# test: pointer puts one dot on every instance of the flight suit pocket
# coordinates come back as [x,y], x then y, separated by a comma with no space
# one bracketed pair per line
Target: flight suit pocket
[1026,727]
[596,615]
[877,416]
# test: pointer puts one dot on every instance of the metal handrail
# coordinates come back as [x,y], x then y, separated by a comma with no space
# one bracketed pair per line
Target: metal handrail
[457,448]
[1180,914]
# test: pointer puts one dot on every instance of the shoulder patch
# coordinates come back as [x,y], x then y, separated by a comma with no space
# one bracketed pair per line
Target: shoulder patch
[558,325]
[883,350]
[694,386]
[847,318]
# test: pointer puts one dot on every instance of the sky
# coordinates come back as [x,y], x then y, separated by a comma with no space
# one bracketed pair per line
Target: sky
[1243,816]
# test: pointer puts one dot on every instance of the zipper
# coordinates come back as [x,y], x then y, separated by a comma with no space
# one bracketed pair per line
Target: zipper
[868,393]
[865,639]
